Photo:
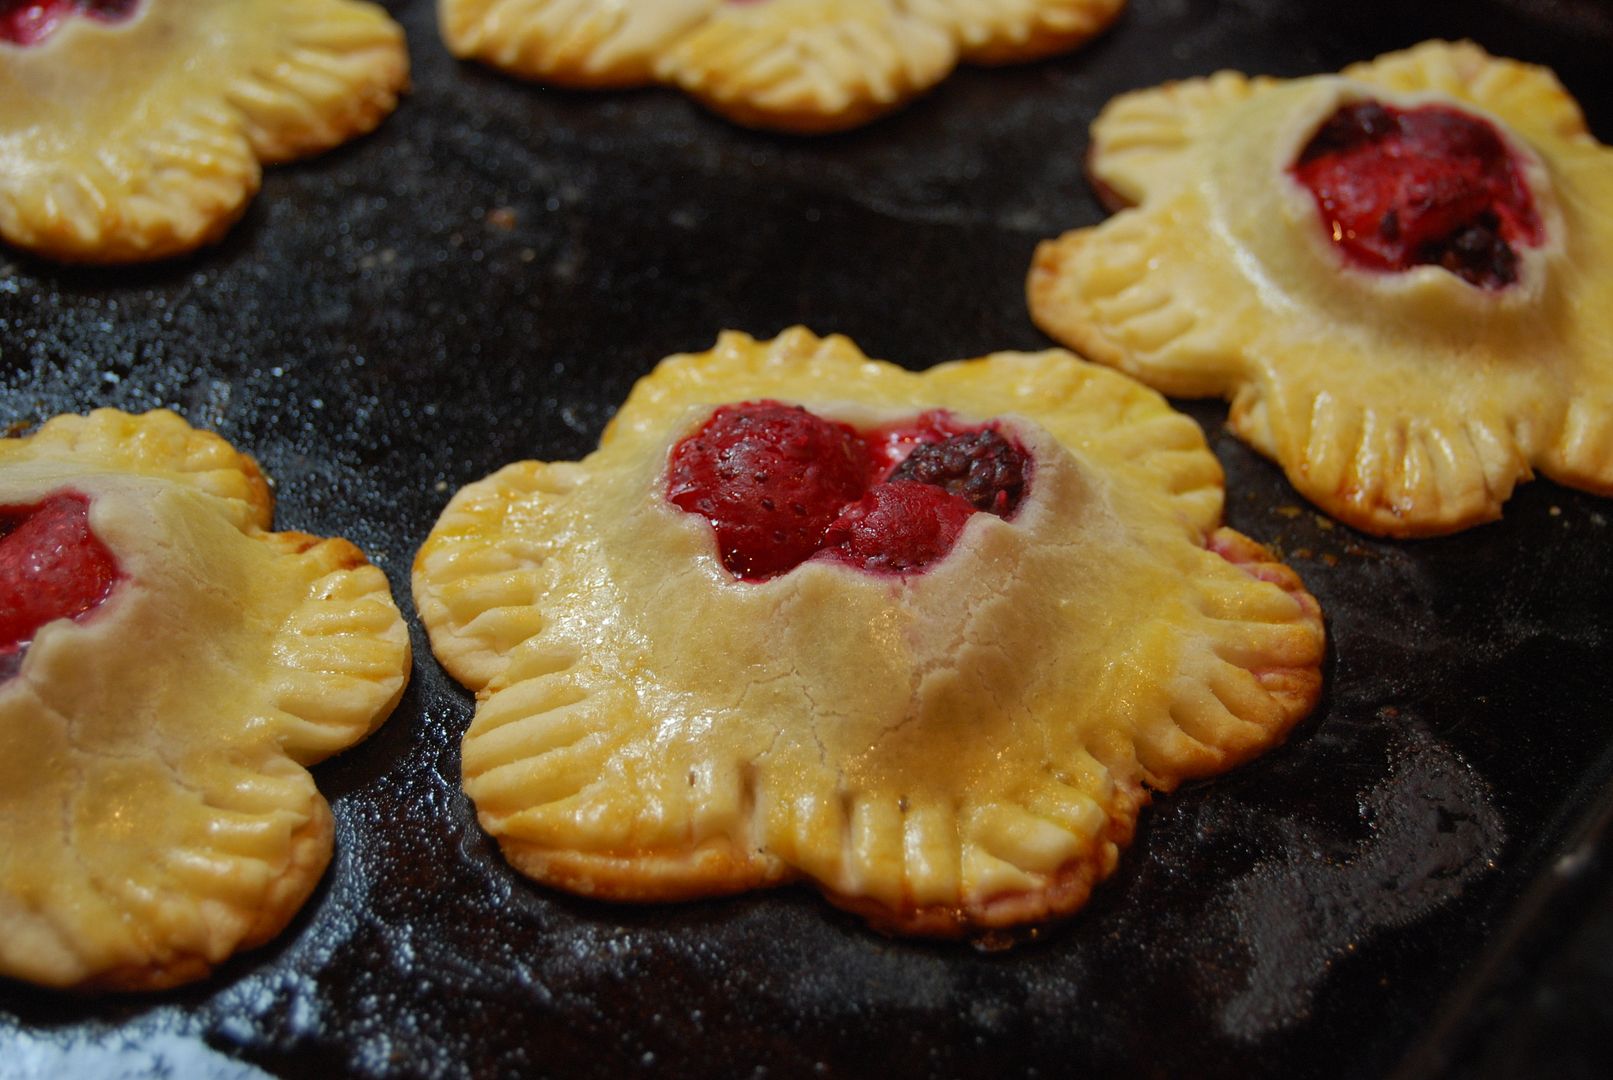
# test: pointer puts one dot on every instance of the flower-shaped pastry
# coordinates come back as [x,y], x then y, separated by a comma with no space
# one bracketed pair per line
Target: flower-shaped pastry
[792,65]
[927,641]
[1402,278]
[134,130]
[167,669]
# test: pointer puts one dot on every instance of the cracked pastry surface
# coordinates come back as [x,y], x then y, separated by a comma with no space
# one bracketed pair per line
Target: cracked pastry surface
[158,817]
[793,65]
[142,136]
[1405,402]
[944,752]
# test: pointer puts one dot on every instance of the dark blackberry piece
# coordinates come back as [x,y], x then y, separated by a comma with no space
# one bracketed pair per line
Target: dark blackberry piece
[981,467]
[1476,253]
[1352,125]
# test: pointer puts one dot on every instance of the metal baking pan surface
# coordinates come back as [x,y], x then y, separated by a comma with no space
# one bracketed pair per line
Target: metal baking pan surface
[484,278]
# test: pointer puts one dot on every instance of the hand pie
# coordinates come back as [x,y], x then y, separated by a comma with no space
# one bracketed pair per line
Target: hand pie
[792,65]
[167,669]
[133,129]
[926,641]
[1402,278]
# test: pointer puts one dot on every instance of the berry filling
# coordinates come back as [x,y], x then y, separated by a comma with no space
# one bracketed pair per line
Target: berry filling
[1430,186]
[781,486]
[770,478]
[51,567]
[28,22]
[900,526]
[980,466]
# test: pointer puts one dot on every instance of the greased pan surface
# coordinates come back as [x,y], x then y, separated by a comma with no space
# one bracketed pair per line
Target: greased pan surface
[484,278]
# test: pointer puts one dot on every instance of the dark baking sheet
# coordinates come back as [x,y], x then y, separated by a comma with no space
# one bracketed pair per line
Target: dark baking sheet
[1403,886]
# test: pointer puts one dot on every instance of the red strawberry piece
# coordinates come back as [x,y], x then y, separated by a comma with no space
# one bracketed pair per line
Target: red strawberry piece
[900,527]
[770,478]
[51,567]
[1432,186]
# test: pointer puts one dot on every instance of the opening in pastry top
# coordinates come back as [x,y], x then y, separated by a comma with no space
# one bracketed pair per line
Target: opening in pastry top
[52,566]
[31,22]
[781,485]
[1429,185]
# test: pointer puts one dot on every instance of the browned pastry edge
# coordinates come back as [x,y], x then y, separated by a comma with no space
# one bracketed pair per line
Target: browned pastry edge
[716,869]
[310,853]
[805,122]
[1110,199]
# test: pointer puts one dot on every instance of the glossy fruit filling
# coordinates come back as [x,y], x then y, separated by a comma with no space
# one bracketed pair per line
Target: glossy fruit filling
[781,485]
[52,566]
[28,22]
[770,478]
[1429,186]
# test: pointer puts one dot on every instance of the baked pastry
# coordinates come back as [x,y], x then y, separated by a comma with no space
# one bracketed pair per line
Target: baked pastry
[791,65]
[133,129]
[168,666]
[926,641]
[1402,278]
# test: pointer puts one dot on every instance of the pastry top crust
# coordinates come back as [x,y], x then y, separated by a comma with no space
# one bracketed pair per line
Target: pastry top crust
[1405,404]
[793,65]
[142,139]
[944,753]
[157,818]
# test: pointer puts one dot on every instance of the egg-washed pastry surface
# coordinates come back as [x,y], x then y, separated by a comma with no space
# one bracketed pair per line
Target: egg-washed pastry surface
[135,130]
[792,65]
[168,667]
[946,720]
[1401,277]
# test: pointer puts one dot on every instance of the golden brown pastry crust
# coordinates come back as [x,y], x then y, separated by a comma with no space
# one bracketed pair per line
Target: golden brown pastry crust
[159,817]
[158,153]
[1014,31]
[792,65]
[957,751]
[1404,404]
